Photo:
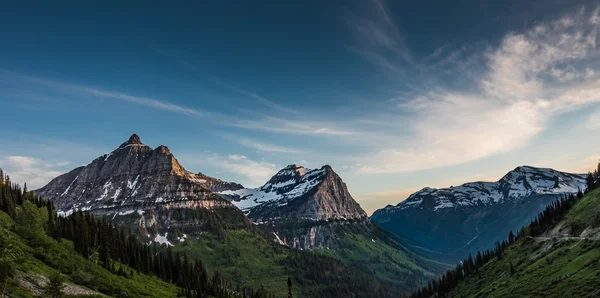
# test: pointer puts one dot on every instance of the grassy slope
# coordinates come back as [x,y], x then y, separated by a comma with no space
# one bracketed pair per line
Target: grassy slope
[375,251]
[249,258]
[245,257]
[61,257]
[585,213]
[567,267]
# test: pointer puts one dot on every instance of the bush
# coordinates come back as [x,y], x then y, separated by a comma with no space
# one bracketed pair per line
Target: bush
[83,278]
[55,286]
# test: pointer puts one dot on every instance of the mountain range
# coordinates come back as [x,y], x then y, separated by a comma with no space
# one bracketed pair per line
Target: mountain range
[148,192]
[254,235]
[449,223]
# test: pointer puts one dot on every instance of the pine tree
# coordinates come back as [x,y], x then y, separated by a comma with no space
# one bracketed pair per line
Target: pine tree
[55,286]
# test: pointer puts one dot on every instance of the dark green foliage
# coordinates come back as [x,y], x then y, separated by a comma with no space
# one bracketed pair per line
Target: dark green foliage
[55,286]
[471,267]
[593,179]
[545,220]
[104,243]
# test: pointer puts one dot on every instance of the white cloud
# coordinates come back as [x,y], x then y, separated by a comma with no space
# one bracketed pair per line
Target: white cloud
[273,124]
[515,102]
[33,171]
[257,145]
[236,167]
[237,157]
[256,172]
[266,147]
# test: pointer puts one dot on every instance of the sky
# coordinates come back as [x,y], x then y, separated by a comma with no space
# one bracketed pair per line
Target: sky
[394,95]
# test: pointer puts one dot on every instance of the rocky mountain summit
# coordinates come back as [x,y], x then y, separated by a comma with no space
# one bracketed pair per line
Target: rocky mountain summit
[148,192]
[299,193]
[301,207]
[136,183]
[455,221]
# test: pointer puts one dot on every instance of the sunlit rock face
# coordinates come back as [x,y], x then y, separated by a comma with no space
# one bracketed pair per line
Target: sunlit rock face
[450,223]
[301,207]
[137,185]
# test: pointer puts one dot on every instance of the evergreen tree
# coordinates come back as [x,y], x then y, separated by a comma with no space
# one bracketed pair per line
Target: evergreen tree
[55,286]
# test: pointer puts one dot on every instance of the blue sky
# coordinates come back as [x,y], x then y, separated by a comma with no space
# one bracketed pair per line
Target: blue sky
[394,95]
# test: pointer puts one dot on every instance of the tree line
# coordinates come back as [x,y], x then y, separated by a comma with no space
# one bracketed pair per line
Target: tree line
[593,179]
[112,247]
[542,222]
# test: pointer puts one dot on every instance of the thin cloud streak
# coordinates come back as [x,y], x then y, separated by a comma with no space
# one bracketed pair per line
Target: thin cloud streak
[264,124]
[150,102]
[261,99]
[222,84]
[257,145]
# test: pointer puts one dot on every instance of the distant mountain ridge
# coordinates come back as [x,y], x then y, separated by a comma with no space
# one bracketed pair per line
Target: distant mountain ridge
[452,222]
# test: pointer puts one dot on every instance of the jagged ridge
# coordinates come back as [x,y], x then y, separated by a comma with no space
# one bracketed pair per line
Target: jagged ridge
[299,193]
[447,224]
[141,186]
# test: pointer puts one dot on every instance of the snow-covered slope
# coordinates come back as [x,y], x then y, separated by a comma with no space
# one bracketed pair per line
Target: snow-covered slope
[302,208]
[449,223]
[289,183]
[298,193]
[520,183]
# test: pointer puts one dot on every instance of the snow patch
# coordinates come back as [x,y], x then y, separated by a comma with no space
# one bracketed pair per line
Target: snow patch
[278,239]
[163,239]
[107,156]
[65,213]
[67,190]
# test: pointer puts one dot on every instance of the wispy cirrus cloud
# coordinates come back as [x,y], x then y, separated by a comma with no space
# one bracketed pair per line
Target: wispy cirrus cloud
[249,172]
[221,83]
[261,122]
[259,98]
[86,90]
[305,127]
[257,145]
[381,41]
[518,96]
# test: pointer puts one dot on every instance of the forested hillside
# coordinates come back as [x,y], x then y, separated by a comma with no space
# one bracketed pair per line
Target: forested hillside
[43,253]
[95,257]
[557,255]
[151,195]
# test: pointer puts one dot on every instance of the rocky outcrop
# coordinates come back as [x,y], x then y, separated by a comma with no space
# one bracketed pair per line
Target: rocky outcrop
[297,193]
[137,183]
[301,207]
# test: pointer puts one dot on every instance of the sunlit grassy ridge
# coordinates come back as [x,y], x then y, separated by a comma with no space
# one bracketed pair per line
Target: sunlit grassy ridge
[548,266]
[34,263]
